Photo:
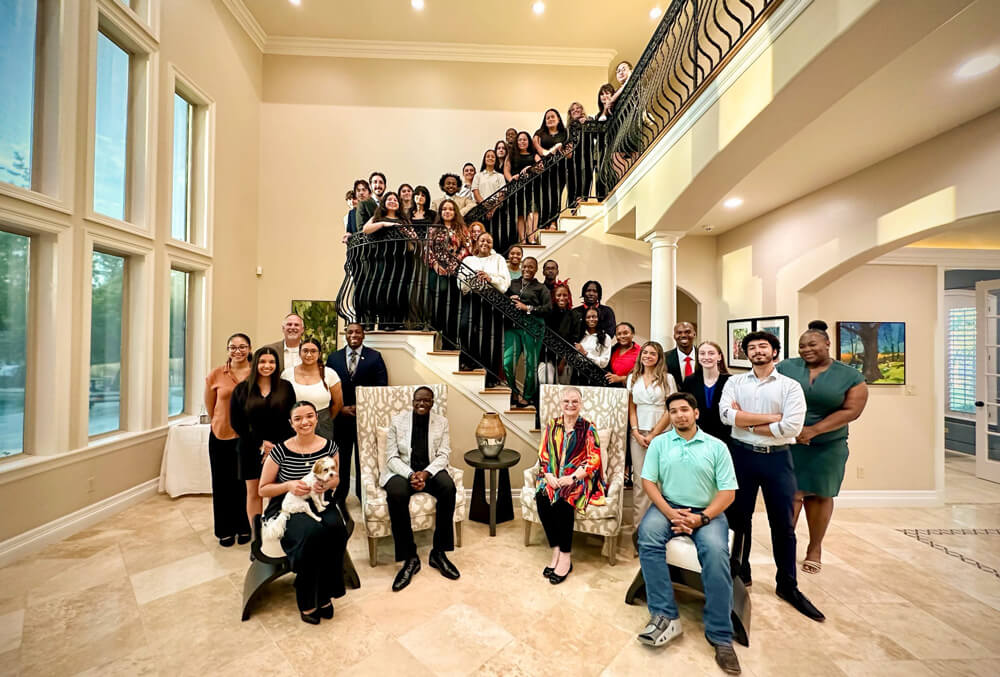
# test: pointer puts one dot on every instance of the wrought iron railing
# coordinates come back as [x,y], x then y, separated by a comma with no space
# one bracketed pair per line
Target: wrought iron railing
[691,44]
[406,277]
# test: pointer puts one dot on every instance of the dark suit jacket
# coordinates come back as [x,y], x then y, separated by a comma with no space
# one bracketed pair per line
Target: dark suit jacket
[370,371]
[674,365]
[279,347]
[708,412]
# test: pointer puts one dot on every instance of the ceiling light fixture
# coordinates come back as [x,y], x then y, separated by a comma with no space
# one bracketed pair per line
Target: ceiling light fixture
[655,13]
[733,202]
[538,7]
[977,65]
[417,4]
[295,2]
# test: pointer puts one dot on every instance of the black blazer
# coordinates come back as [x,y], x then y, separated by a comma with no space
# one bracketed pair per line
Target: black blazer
[674,365]
[370,371]
[708,412]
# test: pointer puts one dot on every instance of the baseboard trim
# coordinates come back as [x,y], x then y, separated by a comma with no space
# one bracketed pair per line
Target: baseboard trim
[917,498]
[67,525]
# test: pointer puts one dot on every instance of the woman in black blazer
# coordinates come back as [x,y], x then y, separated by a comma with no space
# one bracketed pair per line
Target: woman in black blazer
[706,385]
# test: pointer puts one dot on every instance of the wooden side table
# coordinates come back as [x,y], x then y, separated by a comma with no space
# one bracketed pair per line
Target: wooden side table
[501,506]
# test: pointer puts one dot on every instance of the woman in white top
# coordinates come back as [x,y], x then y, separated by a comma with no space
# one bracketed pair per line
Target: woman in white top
[595,344]
[488,180]
[648,386]
[317,385]
[480,331]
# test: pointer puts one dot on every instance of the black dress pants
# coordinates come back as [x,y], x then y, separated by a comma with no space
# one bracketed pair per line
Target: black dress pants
[557,520]
[774,475]
[398,491]
[345,436]
[229,492]
[316,552]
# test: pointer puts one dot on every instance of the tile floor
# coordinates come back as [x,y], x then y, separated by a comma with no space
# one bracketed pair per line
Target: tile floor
[149,592]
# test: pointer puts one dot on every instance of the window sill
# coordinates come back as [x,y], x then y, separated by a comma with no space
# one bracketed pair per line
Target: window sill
[116,224]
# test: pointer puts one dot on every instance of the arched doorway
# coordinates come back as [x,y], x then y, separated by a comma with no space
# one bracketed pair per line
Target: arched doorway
[632,303]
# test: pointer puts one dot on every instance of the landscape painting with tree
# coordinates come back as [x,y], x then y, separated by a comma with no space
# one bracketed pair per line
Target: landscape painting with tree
[876,349]
[320,320]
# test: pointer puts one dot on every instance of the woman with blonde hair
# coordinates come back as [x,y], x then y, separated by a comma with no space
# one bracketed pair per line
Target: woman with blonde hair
[648,385]
[706,385]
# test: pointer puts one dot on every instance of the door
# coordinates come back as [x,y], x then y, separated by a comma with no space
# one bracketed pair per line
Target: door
[988,380]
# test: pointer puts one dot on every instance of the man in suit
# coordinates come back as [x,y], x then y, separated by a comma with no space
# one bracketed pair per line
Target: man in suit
[288,347]
[682,361]
[356,365]
[417,450]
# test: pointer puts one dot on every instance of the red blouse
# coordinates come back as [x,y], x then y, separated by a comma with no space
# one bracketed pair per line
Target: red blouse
[622,361]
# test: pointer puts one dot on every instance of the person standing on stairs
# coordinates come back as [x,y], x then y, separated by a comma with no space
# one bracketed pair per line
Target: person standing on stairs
[682,360]
[378,183]
[468,176]
[592,294]
[550,139]
[447,245]
[488,181]
[481,327]
[450,184]
[532,298]
[520,159]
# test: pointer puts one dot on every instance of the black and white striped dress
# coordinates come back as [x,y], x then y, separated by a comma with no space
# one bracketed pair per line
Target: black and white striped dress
[293,465]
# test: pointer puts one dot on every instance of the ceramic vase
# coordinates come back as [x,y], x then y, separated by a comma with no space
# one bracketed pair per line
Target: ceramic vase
[491,435]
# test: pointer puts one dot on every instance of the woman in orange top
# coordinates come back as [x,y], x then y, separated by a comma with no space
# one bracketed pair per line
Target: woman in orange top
[229,493]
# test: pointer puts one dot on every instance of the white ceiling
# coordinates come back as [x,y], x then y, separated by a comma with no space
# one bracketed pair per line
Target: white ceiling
[912,99]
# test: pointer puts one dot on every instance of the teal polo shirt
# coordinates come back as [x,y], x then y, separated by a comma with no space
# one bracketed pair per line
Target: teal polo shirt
[689,474]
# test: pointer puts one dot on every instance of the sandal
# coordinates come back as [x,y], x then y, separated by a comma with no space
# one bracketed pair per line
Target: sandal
[811,566]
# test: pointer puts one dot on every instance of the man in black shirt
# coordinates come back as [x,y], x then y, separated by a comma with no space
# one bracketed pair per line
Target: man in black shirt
[550,271]
[592,294]
[418,447]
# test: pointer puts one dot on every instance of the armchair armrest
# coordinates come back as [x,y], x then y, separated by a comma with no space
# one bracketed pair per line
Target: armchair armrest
[530,477]
[458,477]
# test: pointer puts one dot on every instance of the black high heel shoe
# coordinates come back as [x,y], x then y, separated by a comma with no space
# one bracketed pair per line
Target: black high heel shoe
[556,579]
[310,618]
[326,611]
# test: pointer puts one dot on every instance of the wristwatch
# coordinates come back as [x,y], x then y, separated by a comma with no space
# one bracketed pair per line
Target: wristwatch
[705,519]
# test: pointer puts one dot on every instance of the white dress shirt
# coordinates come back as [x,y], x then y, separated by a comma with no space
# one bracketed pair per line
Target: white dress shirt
[292,358]
[776,394]
[682,358]
[599,354]
[487,183]
[494,265]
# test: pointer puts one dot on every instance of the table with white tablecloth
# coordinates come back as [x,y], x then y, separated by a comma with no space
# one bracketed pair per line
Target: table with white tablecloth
[185,468]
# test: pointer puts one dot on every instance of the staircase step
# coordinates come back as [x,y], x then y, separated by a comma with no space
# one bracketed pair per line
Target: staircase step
[526,410]
[473,372]
[495,391]
[532,246]
[447,353]
[573,216]
[535,430]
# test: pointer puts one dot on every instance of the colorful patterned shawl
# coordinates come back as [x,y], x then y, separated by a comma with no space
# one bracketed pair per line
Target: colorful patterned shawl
[582,449]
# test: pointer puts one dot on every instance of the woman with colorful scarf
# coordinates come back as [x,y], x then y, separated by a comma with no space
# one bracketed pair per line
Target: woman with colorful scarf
[570,479]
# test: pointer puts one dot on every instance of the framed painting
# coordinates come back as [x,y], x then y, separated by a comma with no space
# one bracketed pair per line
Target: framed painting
[735,331]
[777,325]
[876,349]
[320,320]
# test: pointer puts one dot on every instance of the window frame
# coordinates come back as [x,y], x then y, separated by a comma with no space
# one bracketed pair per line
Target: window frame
[29,333]
[955,299]
[197,353]
[201,178]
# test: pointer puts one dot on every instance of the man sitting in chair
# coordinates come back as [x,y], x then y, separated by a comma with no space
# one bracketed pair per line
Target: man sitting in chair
[690,480]
[417,451]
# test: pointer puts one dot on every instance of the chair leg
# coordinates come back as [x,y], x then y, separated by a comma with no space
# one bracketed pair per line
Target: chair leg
[351,578]
[458,534]
[612,543]
[258,576]
[636,591]
[527,533]
[372,551]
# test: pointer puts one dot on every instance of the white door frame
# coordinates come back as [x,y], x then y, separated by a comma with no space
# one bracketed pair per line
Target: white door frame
[987,367]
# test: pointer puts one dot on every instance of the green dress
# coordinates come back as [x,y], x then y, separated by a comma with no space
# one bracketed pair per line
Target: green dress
[819,465]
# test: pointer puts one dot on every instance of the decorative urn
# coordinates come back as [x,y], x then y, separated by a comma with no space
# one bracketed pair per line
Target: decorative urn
[491,435]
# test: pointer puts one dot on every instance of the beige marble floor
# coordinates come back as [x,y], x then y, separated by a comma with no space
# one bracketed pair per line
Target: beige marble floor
[149,592]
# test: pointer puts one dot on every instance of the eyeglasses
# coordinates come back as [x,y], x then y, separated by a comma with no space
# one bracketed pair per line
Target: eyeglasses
[239,349]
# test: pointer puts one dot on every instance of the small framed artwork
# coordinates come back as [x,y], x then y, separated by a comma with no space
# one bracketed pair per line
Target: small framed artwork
[876,349]
[735,331]
[320,320]
[777,325]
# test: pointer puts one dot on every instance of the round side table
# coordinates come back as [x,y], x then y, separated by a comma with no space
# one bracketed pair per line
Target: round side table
[501,507]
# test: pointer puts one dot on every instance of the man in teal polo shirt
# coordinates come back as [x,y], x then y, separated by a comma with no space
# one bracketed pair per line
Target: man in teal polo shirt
[690,480]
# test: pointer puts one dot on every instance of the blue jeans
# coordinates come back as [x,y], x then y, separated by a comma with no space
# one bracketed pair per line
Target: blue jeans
[712,542]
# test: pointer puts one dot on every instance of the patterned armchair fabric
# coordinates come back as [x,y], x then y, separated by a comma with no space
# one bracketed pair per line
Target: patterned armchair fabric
[607,409]
[376,407]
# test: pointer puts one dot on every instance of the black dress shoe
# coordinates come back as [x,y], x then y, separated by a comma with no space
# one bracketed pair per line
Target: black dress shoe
[440,561]
[406,573]
[310,618]
[243,539]
[227,542]
[556,579]
[801,603]
[547,571]
[326,611]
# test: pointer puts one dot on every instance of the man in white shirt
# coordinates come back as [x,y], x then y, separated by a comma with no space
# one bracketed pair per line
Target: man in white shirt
[682,361]
[288,348]
[766,410]
[468,176]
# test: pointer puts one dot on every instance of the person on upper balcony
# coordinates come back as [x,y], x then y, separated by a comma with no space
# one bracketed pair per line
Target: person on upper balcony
[450,184]
[605,101]
[488,180]
[549,139]
[421,213]
[623,71]
[366,205]
[468,176]
[581,170]
[377,182]
[350,227]
[519,161]
[405,192]
[532,298]
[592,294]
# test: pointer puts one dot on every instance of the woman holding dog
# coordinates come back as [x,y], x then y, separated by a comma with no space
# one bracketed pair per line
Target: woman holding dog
[315,549]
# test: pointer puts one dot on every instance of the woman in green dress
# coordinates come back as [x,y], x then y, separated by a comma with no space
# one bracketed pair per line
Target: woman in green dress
[836,394]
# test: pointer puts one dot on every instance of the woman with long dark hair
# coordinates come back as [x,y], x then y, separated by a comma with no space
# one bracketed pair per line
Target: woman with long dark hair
[488,180]
[317,384]
[228,492]
[595,344]
[562,321]
[517,164]
[581,165]
[422,214]
[405,192]
[447,245]
[259,410]
[549,139]
[386,287]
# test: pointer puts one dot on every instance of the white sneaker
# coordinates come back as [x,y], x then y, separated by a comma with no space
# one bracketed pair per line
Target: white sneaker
[660,630]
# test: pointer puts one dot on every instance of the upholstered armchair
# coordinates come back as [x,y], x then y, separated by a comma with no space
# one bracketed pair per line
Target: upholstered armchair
[607,409]
[376,407]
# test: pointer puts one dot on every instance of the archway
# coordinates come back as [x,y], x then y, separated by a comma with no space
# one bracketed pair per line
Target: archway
[632,303]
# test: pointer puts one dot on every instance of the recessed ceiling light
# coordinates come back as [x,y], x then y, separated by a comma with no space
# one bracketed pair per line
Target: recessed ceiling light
[733,202]
[295,2]
[977,65]
[538,7]
[655,13]
[417,4]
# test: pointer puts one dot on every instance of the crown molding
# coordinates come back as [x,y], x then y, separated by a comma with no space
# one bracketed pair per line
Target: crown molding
[437,51]
[950,258]
[244,17]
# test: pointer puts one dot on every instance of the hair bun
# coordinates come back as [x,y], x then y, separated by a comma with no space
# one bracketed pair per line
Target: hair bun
[819,325]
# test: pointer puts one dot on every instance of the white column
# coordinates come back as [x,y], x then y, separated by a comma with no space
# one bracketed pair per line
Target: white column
[663,298]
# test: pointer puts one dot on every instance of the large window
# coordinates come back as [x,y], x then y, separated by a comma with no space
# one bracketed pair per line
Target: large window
[962,360]
[18,22]
[111,129]
[107,301]
[180,213]
[177,376]
[14,269]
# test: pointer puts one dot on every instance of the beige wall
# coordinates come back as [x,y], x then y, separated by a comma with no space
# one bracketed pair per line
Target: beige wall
[892,444]
[631,304]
